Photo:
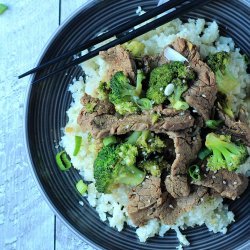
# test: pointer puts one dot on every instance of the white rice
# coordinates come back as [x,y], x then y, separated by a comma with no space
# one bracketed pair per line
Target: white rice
[112,207]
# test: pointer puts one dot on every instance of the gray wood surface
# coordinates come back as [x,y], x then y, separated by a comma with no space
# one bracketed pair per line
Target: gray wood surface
[26,221]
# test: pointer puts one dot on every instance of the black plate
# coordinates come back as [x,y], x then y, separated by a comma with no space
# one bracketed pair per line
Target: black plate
[48,101]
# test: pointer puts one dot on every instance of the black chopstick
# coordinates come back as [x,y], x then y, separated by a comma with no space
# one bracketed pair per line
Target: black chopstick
[178,11]
[113,32]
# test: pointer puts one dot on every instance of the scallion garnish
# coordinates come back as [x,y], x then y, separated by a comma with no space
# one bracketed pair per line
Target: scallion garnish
[144,104]
[81,187]
[204,153]
[63,161]
[109,140]
[78,142]
[213,124]
[3,8]
[194,172]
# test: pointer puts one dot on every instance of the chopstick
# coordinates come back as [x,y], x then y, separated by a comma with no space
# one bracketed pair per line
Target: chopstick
[113,32]
[180,9]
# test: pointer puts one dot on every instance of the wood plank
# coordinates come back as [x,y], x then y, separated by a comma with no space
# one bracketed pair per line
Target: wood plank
[26,221]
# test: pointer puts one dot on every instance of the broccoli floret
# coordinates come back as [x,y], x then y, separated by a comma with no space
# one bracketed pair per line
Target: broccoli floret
[139,78]
[226,154]
[103,91]
[180,86]
[219,63]
[124,95]
[136,48]
[161,76]
[114,165]
[146,142]
[128,154]
[126,108]
[153,167]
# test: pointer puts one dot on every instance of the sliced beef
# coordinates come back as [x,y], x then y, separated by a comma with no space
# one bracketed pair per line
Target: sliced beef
[239,130]
[172,208]
[119,59]
[104,122]
[187,147]
[202,94]
[103,111]
[169,120]
[144,200]
[227,184]
[147,201]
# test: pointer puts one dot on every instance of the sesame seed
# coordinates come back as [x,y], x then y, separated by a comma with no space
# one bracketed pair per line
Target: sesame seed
[182,113]
[190,117]
[161,89]
[203,95]
[235,182]
[194,110]
[205,175]
[213,177]
[202,199]
[171,206]
[81,203]
[224,182]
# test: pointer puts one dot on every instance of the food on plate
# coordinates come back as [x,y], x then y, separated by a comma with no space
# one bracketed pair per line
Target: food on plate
[159,130]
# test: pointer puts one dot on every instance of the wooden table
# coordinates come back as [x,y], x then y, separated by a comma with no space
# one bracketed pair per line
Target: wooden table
[26,221]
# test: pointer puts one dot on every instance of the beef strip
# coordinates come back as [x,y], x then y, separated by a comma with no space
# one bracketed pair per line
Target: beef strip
[119,59]
[104,122]
[104,110]
[202,94]
[227,184]
[239,130]
[144,199]
[172,208]
[147,201]
[187,147]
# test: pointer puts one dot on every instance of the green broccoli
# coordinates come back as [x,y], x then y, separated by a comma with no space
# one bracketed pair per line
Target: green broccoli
[125,108]
[124,95]
[114,165]
[161,76]
[225,153]
[147,142]
[153,167]
[180,87]
[219,63]
[136,48]
[103,91]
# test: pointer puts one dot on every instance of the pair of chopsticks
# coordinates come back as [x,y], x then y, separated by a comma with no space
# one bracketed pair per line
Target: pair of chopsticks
[173,9]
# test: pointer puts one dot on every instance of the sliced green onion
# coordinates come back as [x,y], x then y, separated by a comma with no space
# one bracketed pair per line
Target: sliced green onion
[204,153]
[213,124]
[144,104]
[109,140]
[133,137]
[81,187]
[78,142]
[3,8]
[63,161]
[194,172]
[89,137]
